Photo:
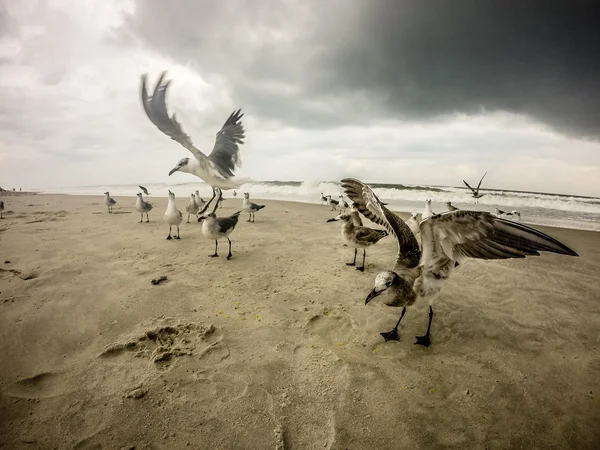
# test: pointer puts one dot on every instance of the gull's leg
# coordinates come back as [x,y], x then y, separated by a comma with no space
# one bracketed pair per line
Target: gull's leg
[216,247]
[362,268]
[249,217]
[393,335]
[169,236]
[177,233]
[207,203]
[220,196]
[188,218]
[141,217]
[353,263]
[229,255]
[147,218]
[424,340]
[253,217]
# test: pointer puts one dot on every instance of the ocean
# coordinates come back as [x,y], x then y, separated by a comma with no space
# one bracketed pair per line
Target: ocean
[558,210]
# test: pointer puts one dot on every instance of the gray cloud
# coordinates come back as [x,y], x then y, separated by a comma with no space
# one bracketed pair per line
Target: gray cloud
[324,63]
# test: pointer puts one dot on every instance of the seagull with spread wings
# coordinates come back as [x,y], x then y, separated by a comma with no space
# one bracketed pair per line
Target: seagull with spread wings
[475,192]
[446,238]
[215,169]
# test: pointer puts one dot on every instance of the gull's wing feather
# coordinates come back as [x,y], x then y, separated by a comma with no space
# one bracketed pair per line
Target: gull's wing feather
[467,184]
[226,152]
[156,110]
[481,181]
[371,207]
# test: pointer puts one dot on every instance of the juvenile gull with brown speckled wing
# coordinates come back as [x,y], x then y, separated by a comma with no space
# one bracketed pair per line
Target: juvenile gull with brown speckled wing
[446,238]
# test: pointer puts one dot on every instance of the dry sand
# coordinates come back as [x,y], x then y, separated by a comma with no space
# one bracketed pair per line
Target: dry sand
[276,349]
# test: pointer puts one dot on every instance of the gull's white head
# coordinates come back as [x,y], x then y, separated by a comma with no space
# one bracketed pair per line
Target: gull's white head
[428,202]
[139,194]
[246,195]
[413,215]
[107,194]
[344,217]
[171,195]
[192,195]
[182,166]
[383,281]
[448,204]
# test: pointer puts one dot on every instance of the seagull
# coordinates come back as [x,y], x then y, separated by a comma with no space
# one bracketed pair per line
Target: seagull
[446,238]
[475,192]
[234,194]
[249,207]
[413,224]
[192,207]
[499,213]
[215,169]
[450,207]
[109,201]
[199,200]
[214,227]
[144,190]
[332,203]
[142,207]
[323,199]
[1,208]
[173,216]
[358,236]
[427,212]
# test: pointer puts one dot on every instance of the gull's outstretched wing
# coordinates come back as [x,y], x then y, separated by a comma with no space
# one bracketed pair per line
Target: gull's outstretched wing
[156,110]
[371,207]
[472,190]
[481,181]
[226,152]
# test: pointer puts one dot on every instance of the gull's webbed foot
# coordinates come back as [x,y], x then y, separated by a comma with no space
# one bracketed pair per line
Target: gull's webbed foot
[213,256]
[169,238]
[391,335]
[351,264]
[361,268]
[423,340]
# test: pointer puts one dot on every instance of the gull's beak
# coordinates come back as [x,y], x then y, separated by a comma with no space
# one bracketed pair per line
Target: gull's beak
[332,220]
[372,295]
[170,191]
[174,170]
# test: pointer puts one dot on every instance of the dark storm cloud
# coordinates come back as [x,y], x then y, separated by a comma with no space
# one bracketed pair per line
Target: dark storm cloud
[321,63]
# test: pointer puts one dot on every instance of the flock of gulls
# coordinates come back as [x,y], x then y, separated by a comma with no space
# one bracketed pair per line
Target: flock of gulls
[429,248]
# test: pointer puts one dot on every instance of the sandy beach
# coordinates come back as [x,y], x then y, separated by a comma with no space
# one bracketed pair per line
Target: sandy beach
[276,349]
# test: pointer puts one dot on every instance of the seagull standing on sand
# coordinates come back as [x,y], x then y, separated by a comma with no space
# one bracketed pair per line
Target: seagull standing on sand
[199,200]
[109,201]
[323,199]
[446,238]
[1,208]
[475,192]
[358,236]
[427,212]
[142,207]
[450,207]
[192,207]
[144,190]
[249,207]
[214,227]
[331,202]
[413,224]
[215,169]
[173,216]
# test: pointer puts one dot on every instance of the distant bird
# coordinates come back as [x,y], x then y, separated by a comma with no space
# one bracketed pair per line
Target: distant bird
[215,169]
[214,227]
[142,207]
[323,199]
[249,207]
[331,202]
[173,216]
[427,212]
[144,190]
[343,202]
[446,238]
[1,208]
[358,236]
[234,194]
[475,192]
[450,207]
[109,201]
[192,207]
[499,213]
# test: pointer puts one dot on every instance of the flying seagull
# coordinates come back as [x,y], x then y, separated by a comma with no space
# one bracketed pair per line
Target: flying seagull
[215,169]
[144,190]
[445,238]
[475,192]
[358,236]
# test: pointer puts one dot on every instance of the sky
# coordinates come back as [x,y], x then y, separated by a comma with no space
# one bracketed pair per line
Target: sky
[387,91]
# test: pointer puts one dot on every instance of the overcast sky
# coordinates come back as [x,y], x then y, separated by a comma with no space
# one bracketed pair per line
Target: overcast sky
[413,92]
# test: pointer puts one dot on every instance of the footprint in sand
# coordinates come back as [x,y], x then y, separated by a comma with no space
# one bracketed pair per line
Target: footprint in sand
[163,340]
[43,385]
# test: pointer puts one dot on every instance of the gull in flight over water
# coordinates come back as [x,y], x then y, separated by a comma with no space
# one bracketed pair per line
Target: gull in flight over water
[217,168]
[446,238]
[475,192]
